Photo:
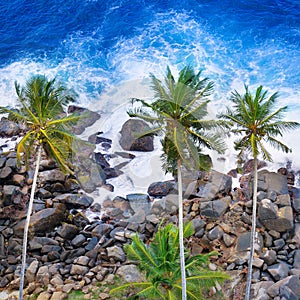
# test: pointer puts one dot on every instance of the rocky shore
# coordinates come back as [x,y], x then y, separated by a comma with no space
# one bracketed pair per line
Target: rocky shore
[76,244]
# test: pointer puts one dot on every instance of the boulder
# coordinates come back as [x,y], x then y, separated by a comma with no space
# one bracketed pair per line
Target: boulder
[139,201]
[88,118]
[43,221]
[280,220]
[217,184]
[160,188]
[214,209]
[8,128]
[271,181]
[292,282]
[132,136]
[75,200]
[130,273]
[279,271]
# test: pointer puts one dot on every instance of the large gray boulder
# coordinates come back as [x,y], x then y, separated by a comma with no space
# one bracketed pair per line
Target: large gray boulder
[132,136]
[43,221]
[216,185]
[274,218]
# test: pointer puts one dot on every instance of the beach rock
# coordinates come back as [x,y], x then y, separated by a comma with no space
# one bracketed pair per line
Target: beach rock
[271,181]
[280,220]
[279,271]
[131,136]
[160,188]
[214,209]
[42,221]
[130,273]
[217,184]
[75,200]
[291,282]
[88,118]
[139,201]
[8,128]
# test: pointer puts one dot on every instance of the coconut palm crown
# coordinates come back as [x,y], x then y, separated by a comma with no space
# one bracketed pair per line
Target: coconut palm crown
[259,122]
[178,113]
[41,110]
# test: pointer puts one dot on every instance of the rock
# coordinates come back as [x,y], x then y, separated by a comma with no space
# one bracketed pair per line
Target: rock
[58,296]
[249,166]
[296,263]
[292,282]
[130,273]
[88,118]
[32,270]
[267,210]
[269,257]
[216,184]
[215,233]
[8,128]
[283,200]
[78,270]
[139,201]
[131,136]
[5,172]
[284,221]
[257,262]
[68,231]
[228,240]
[78,240]
[296,205]
[116,253]
[43,275]
[42,221]
[52,176]
[270,181]
[279,271]
[160,188]
[214,209]
[75,200]
[102,229]
[243,242]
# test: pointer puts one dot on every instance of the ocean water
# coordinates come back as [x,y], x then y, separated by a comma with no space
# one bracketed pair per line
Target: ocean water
[105,50]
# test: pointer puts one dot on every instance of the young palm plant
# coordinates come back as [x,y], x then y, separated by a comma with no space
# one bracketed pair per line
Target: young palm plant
[160,262]
[41,110]
[257,119]
[178,113]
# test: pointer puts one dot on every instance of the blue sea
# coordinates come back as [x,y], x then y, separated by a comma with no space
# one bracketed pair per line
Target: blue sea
[105,50]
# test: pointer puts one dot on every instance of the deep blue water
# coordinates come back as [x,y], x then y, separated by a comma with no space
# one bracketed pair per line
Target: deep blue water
[94,45]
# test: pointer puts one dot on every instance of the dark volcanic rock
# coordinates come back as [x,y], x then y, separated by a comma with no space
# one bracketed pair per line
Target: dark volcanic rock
[75,200]
[131,136]
[161,188]
[43,221]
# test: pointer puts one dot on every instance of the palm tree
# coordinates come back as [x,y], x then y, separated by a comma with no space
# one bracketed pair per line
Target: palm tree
[159,260]
[259,122]
[178,113]
[41,110]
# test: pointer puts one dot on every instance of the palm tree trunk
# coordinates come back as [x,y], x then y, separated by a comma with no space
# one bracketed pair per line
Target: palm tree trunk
[180,228]
[253,233]
[26,227]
